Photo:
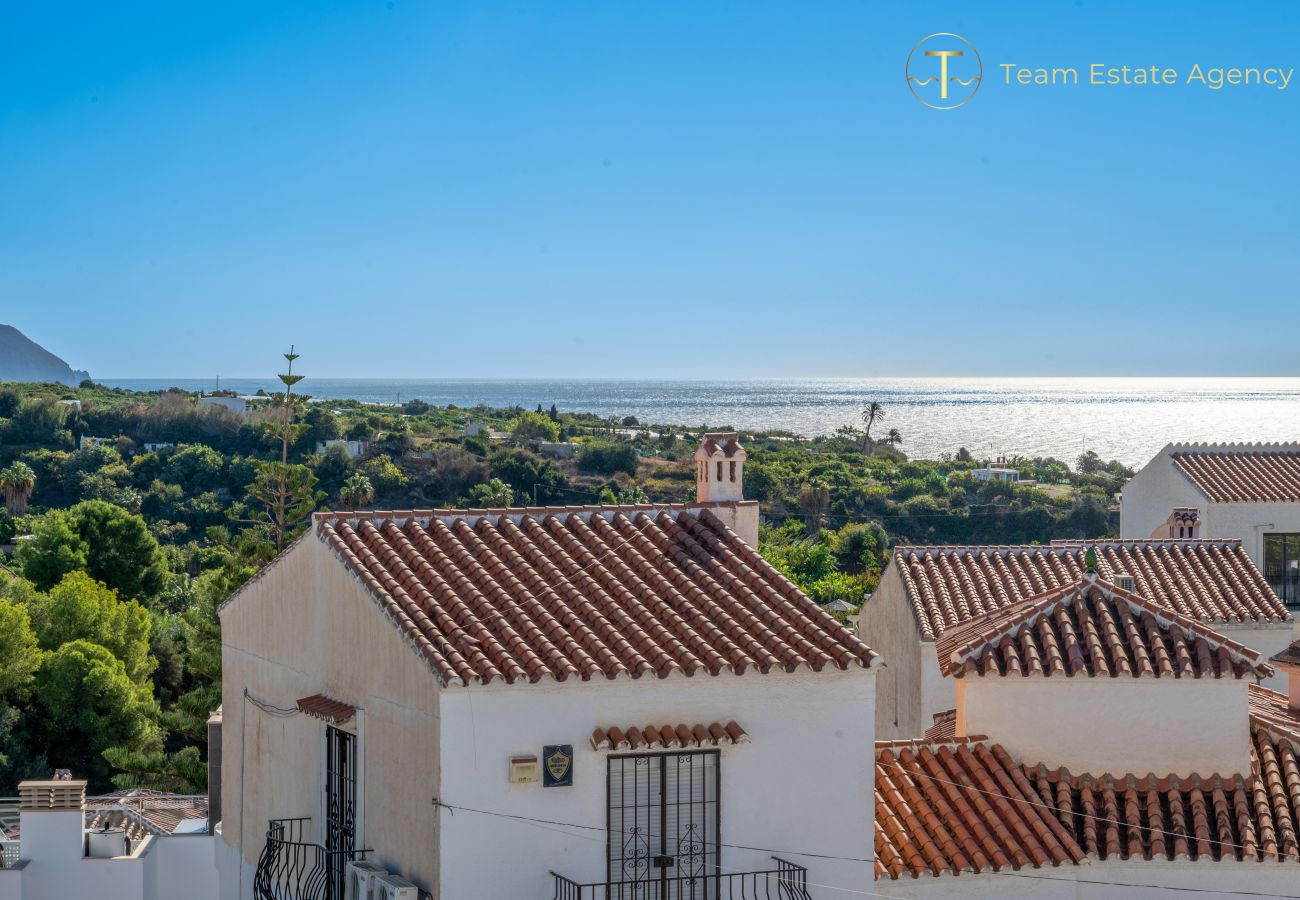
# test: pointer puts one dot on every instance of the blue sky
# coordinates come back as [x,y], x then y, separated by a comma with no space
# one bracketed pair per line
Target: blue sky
[428,189]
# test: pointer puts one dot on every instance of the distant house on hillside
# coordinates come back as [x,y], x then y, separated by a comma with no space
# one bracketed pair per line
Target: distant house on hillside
[353,448]
[997,472]
[1245,491]
[438,685]
[226,399]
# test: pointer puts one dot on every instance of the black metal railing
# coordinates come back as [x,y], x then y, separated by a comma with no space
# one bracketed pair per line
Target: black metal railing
[291,868]
[785,882]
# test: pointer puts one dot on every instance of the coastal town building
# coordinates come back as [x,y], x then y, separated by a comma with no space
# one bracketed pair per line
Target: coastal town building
[571,702]
[996,472]
[1247,491]
[226,400]
[1102,746]
[354,449]
[927,590]
[131,845]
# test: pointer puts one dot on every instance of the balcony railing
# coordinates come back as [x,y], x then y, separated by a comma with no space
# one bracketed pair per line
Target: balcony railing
[291,868]
[785,882]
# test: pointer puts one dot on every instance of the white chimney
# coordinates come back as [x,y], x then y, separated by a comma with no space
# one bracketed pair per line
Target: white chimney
[720,468]
[1289,662]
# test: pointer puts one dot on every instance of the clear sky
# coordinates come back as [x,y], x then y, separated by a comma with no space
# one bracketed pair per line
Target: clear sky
[424,189]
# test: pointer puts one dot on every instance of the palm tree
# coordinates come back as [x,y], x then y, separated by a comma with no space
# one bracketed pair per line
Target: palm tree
[873,413]
[814,500]
[17,483]
[894,438]
[357,492]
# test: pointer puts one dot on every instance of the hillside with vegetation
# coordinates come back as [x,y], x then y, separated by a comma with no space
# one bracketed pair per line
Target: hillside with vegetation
[128,517]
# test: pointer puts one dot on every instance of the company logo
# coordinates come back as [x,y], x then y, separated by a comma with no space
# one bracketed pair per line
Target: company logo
[944,70]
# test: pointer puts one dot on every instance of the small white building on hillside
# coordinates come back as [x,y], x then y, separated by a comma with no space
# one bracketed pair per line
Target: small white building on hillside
[925,591]
[226,400]
[132,845]
[1245,491]
[1102,747]
[573,702]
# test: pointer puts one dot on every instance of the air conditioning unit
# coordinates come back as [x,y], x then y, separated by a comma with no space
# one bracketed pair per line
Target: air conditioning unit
[359,881]
[395,887]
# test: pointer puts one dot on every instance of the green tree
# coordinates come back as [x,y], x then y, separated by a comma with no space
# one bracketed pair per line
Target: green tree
[357,492]
[282,497]
[79,608]
[53,550]
[385,475]
[871,414]
[85,703]
[109,543]
[814,502]
[17,483]
[20,655]
[182,772]
[494,494]
[534,426]
[894,438]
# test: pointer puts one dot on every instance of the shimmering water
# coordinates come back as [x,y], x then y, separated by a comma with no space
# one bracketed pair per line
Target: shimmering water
[1120,418]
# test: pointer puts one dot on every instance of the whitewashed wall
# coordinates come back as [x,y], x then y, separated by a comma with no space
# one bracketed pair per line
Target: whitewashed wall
[165,867]
[804,783]
[1149,724]
[888,625]
[307,627]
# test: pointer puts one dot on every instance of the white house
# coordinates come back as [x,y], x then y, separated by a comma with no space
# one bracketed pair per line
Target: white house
[543,702]
[995,473]
[925,591]
[1246,491]
[225,399]
[1102,746]
[354,449]
[132,845]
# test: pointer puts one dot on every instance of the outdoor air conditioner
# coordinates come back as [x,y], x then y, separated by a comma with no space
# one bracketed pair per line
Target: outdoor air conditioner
[395,887]
[360,883]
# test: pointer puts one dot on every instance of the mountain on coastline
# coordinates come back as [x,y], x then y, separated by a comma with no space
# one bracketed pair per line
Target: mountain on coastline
[22,359]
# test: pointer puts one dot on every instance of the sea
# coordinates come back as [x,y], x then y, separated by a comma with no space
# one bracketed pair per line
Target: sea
[1127,419]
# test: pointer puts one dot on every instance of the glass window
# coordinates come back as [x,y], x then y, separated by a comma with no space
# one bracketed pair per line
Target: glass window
[1282,566]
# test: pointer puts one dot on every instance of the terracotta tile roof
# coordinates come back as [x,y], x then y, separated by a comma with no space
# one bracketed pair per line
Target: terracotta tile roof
[159,812]
[1246,473]
[968,806]
[961,807]
[585,592]
[1270,709]
[139,812]
[667,737]
[725,442]
[1207,580]
[944,727]
[1288,657]
[327,709]
[1094,629]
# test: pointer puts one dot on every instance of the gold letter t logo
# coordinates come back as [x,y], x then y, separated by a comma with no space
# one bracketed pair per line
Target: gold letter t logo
[943,68]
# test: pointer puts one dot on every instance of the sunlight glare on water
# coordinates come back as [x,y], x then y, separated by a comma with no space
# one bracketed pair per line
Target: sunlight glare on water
[1120,418]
